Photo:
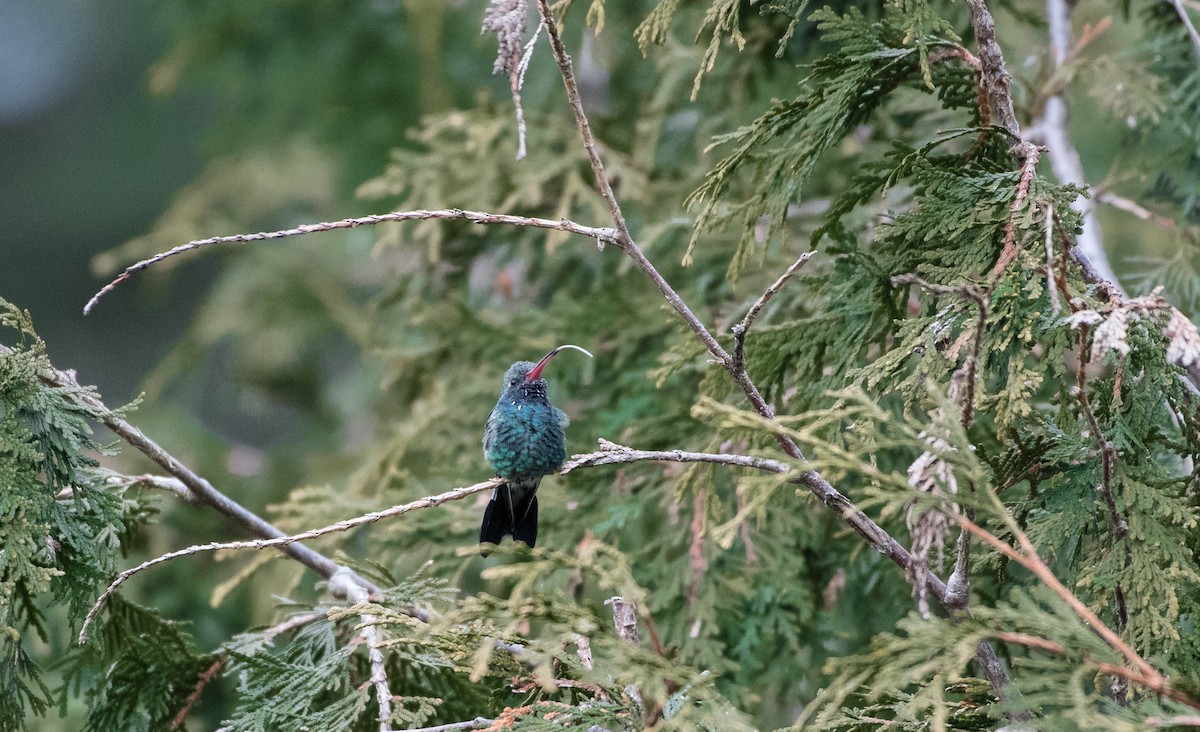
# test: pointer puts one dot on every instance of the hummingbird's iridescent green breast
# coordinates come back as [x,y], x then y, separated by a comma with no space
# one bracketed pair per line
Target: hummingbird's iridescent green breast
[523,439]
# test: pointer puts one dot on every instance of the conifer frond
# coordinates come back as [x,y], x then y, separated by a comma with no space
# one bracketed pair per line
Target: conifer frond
[61,524]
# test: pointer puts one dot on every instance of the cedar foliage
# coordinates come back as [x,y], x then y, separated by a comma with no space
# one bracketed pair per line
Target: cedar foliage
[386,349]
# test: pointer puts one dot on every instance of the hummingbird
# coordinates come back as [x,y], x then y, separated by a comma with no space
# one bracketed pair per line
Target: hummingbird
[523,441]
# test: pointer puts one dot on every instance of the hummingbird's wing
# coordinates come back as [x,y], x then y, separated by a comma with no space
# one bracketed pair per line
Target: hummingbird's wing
[563,419]
[490,430]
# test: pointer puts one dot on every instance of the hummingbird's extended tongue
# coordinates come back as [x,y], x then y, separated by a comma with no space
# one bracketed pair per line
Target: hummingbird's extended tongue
[536,372]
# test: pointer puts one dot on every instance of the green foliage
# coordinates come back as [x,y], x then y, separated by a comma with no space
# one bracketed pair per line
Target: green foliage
[61,524]
[138,673]
[783,146]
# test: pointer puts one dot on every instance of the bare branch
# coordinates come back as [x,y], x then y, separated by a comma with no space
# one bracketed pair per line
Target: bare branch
[993,77]
[611,453]
[477,723]
[739,331]
[284,541]
[478,217]
[1134,208]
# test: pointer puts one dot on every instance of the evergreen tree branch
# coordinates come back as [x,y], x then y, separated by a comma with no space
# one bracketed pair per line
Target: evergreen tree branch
[1108,453]
[741,329]
[996,84]
[600,234]
[824,491]
[875,535]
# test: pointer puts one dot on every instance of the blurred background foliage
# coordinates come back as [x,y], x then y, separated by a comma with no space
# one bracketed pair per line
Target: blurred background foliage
[321,377]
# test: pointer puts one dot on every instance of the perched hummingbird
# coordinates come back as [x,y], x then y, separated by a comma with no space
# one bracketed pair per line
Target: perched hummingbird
[523,441]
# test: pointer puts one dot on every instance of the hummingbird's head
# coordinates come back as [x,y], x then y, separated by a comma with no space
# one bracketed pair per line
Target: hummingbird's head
[526,376]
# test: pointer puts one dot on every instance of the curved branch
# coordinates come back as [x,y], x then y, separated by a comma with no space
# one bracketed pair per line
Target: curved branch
[478,217]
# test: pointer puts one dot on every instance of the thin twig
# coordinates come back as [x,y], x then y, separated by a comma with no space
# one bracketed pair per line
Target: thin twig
[1108,453]
[477,723]
[741,329]
[1028,170]
[1134,208]
[1187,23]
[1029,559]
[1051,285]
[478,217]
[284,541]
[611,453]
[1157,684]
[202,681]
[158,482]
[517,79]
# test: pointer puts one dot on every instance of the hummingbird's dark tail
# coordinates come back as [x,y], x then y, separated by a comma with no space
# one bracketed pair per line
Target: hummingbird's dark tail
[513,511]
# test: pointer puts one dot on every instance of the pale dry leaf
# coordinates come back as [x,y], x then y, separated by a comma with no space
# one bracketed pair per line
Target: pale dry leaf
[1183,348]
[1111,335]
[508,19]
[929,526]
